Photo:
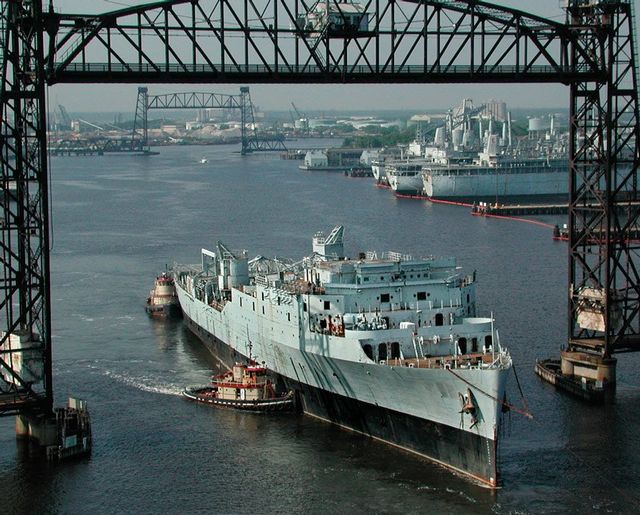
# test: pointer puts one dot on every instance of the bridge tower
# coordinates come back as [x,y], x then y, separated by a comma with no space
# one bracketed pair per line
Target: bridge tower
[604,280]
[247,119]
[26,387]
[140,132]
[25,340]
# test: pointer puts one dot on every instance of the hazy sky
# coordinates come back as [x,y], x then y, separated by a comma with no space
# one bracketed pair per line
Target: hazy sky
[122,98]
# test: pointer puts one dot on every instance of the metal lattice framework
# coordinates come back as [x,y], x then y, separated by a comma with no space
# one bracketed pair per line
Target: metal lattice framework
[393,41]
[140,132]
[25,314]
[269,41]
[251,141]
[604,282]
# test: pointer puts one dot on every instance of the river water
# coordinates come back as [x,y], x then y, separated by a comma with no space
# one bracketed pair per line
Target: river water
[117,220]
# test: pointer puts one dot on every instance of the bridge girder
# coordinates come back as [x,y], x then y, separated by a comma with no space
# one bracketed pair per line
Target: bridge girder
[267,41]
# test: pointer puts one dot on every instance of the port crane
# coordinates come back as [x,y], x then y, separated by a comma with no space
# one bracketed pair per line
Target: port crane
[93,125]
[302,120]
[63,117]
[592,52]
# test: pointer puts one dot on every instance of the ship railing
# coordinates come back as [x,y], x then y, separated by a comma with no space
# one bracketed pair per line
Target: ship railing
[475,361]
[303,288]
[398,256]
[424,305]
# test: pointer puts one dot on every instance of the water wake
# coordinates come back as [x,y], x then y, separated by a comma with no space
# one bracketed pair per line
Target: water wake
[145,383]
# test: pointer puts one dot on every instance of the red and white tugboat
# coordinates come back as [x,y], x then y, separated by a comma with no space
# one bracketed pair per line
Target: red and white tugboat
[244,387]
[163,300]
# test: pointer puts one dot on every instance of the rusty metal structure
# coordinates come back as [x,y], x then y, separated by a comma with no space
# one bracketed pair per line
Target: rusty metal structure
[292,41]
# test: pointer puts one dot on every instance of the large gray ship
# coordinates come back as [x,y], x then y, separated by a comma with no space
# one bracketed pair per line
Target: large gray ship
[518,177]
[386,345]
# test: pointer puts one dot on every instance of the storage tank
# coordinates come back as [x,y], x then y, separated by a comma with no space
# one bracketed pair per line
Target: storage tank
[536,124]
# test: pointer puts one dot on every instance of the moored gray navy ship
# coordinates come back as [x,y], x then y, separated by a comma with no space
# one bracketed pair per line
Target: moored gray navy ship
[386,345]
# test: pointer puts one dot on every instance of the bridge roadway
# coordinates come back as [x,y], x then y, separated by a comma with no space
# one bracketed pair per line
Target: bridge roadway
[92,72]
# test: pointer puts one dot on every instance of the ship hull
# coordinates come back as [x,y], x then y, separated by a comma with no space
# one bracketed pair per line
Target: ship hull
[406,185]
[551,185]
[467,453]
[203,395]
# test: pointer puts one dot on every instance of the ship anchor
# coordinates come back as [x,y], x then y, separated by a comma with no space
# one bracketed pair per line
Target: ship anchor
[469,407]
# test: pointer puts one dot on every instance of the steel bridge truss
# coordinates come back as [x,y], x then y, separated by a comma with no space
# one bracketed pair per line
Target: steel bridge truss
[25,314]
[604,282]
[250,139]
[395,41]
[272,40]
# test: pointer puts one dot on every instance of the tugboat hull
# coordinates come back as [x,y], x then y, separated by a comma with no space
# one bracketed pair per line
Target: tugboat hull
[164,310]
[205,395]
[163,299]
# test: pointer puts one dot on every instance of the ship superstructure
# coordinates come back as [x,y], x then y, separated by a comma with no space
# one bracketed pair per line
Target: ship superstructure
[387,345]
[404,177]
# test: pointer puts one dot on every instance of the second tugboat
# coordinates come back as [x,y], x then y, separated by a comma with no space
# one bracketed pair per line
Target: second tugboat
[163,299]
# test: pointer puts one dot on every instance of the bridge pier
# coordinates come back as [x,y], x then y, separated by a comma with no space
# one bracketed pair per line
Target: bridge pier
[589,367]
[63,433]
[40,429]
[588,376]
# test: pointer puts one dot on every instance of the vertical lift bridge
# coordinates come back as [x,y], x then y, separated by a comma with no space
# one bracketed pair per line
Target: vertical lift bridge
[290,41]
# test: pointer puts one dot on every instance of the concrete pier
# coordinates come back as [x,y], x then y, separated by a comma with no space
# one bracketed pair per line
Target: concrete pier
[63,433]
[41,429]
[588,376]
[588,366]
